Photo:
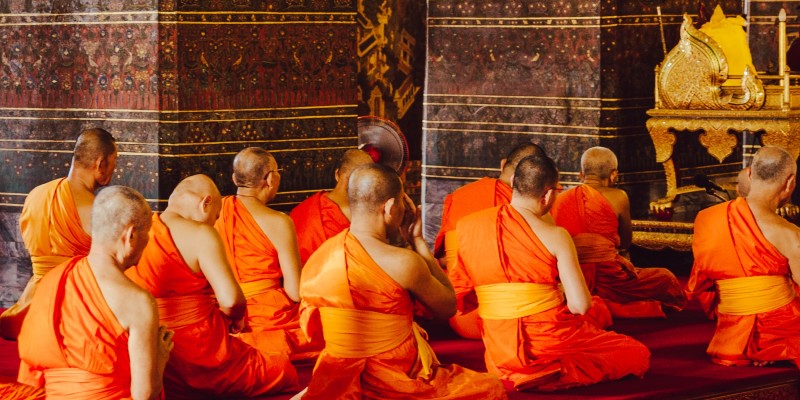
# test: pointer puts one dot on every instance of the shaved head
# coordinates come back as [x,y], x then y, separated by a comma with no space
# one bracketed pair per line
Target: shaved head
[534,176]
[521,151]
[251,165]
[371,186]
[351,159]
[598,161]
[115,208]
[196,185]
[772,164]
[93,144]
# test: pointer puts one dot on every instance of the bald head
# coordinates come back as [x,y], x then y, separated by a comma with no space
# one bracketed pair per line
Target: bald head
[251,165]
[534,176]
[196,185]
[518,153]
[371,186]
[115,208]
[351,159]
[598,161]
[196,198]
[772,165]
[91,145]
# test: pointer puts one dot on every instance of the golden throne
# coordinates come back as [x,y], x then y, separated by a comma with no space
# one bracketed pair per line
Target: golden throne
[693,92]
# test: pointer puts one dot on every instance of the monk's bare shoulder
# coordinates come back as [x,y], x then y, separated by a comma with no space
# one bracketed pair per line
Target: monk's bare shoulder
[403,265]
[618,199]
[275,221]
[130,303]
[555,238]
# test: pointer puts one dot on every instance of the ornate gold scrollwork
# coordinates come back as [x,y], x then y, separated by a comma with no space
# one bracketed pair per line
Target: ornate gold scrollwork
[691,76]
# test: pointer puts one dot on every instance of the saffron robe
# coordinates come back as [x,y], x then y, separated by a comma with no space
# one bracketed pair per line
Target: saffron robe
[342,275]
[629,291]
[272,317]
[71,342]
[729,244]
[549,350]
[206,361]
[316,220]
[53,234]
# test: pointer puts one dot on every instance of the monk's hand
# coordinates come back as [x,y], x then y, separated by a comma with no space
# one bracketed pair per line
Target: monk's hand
[238,326]
[165,343]
[410,218]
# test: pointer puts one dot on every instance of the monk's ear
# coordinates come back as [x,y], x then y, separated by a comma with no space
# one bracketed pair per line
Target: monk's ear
[503,164]
[336,175]
[511,180]
[613,177]
[791,182]
[387,207]
[205,203]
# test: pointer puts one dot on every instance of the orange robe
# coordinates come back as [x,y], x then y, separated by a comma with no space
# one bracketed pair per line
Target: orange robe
[52,233]
[206,360]
[729,244]
[272,316]
[549,350]
[71,342]
[341,275]
[629,291]
[316,220]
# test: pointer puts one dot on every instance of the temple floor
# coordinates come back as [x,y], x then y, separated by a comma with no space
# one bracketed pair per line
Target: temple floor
[679,366]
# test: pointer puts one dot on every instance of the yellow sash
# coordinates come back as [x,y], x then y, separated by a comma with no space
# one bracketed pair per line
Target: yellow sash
[180,311]
[43,264]
[251,289]
[754,294]
[517,300]
[451,248]
[353,333]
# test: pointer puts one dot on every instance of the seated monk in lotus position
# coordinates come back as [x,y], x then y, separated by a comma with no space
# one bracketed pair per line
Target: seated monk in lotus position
[326,213]
[516,268]
[91,333]
[261,246]
[56,217]
[598,217]
[185,268]
[747,267]
[357,290]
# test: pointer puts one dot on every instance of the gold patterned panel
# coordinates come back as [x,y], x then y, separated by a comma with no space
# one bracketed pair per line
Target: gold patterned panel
[692,73]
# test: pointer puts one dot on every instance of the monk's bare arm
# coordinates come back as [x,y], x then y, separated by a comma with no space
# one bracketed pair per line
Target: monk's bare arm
[569,270]
[416,277]
[792,250]
[214,265]
[623,208]
[148,346]
[285,242]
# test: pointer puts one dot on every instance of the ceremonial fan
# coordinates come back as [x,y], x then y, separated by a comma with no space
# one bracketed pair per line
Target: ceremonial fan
[384,142]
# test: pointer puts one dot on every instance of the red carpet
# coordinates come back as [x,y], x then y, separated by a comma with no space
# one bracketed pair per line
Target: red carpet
[679,367]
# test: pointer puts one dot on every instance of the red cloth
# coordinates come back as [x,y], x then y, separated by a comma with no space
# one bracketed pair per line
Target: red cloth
[53,234]
[206,360]
[71,341]
[629,291]
[316,220]
[729,244]
[479,195]
[388,374]
[271,315]
[550,350]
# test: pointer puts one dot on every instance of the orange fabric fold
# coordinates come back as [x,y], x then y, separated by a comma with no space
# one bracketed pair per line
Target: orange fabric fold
[53,234]
[728,244]
[342,275]
[629,291]
[551,349]
[71,342]
[316,220]
[206,361]
[272,316]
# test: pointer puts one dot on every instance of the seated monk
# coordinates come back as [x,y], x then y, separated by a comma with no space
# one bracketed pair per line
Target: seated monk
[747,258]
[516,268]
[92,333]
[326,213]
[356,291]
[598,217]
[56,217]
[481,194]
[185,268]
[261,246]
